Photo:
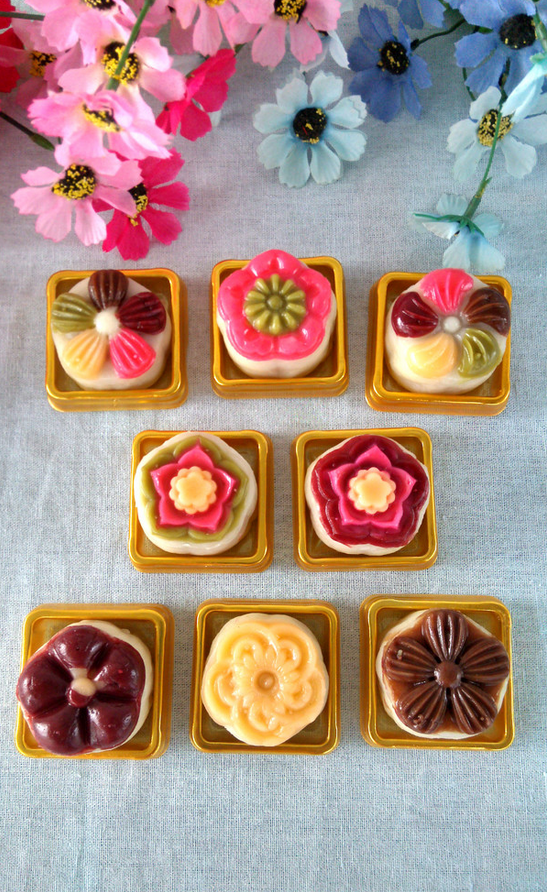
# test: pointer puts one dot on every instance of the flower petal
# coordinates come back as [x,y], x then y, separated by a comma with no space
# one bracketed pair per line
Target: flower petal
[348,145]
[131,355]
[325,164]
[85,354]
[295,168]
[520,159]
[274,150]
[325,89]
[293,96]
[270,118]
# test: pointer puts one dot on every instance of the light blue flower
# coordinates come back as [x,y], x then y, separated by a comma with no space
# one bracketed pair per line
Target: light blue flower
[331,45]
[471,248]
[523,98]
[511,38]
[305,135]
[472,138]
[409,10]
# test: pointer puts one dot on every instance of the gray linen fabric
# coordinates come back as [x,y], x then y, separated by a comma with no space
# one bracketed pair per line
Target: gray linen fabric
[360,818]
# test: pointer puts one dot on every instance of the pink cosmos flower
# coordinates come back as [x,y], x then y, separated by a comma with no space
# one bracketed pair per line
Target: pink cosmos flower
[53,196]
[206,85]
[62,18]
[84,121]
[148,65]
[35,60]
[304,19]
[126,231]
[213,20]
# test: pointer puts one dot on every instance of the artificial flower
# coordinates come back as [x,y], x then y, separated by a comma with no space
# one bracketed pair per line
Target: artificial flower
[126,231]
[511,38]
[61,25]
[523,97]
[302,18]
[33,58]
[367,495]
[331,45]
[305,135]
[54,196]
[85,121]
[206,92]
[386,67]
[148,65]
[264,679]
[9,75]
[471,248]
[472,138]
[214,18]
[409,10]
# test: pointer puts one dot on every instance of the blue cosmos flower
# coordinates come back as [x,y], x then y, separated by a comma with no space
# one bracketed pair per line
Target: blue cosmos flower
[432,11]
[512,38]
[525,95]
[471,248]
[386,67]
[305,136]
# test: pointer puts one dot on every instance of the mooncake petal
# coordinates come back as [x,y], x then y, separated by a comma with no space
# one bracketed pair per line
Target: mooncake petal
[433,356]
[411,317]
[71,313]
[144,312]
[85,354]
[130,354]
[480,353]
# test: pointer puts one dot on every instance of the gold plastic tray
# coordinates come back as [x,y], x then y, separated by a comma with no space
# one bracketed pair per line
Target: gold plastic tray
[253,553]
[319,738]
[169,391]
[331,376]
[385,394]
[153,624]
[311,553]
[378,614]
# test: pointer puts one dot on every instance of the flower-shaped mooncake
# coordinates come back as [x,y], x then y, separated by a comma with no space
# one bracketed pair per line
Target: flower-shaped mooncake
[110,334]
[87,689]
[446,334]
[368,495]
[194,494]
[276,316]
[264,679]
[442,675]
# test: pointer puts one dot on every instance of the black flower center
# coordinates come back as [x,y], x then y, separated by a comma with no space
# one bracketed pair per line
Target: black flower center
[309,123]
[140,195]
[38,62]
[103,119]
[394,57]
[78,182]
[289,9]
[100,4]
[518,32]
[112,55]
[487,127]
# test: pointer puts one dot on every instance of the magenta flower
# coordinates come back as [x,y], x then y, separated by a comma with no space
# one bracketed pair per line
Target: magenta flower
[194,492]
[148,66]
[126,231]
[303,18]
[367,496]
[206,91]
[9,74]
[213,19]
[85,121]
[53,197]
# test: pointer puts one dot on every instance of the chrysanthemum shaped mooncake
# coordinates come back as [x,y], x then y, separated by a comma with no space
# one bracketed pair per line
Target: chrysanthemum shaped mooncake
[368,495]
[195,494]
[87,689]
[442,675]
[447,333]
[264,679]
[110,334]
[276,316]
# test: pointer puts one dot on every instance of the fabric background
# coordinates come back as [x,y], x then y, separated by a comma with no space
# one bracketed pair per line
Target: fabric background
[360,818]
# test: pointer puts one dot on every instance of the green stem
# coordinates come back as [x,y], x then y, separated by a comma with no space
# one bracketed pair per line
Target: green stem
[419,40]
[114,82]
[470,92]
[35,137]
[541,31]
[22,15]
[473,205]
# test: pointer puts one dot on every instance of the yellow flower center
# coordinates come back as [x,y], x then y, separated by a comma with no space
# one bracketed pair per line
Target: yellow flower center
[111,57]
[372,491]
[78,182]
[487,127]
[290,10]
[104,120]
[215,2]
[140,195]
[193,490]
[266,681]
[38,62]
